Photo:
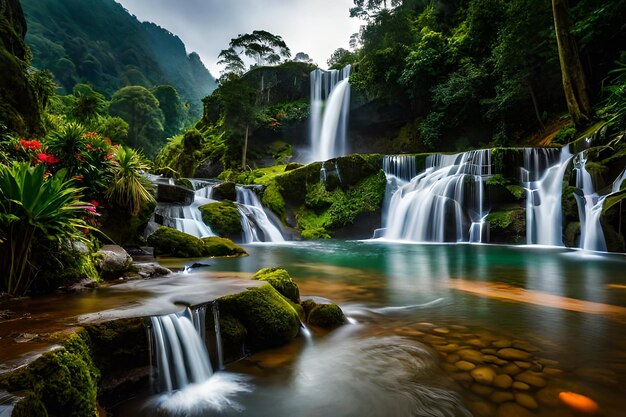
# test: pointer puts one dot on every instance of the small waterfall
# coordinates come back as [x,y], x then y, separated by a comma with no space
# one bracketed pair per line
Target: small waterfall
[257,226]
[589,207]
[218,338]
[187,219]
[399,170]
[180,350]
[330,107]
[445,203]
[544,224]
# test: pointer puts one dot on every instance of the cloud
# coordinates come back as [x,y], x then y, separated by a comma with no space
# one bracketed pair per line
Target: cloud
[316,27]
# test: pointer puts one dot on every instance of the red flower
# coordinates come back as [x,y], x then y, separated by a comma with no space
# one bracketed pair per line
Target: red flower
[31,144]
[79,178]
[48,158]
[95,203]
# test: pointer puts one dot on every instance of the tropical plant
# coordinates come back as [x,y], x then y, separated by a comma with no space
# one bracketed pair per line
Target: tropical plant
[35,211]
[130,189]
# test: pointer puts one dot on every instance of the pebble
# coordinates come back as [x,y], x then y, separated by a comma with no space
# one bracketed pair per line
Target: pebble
[549,397]
[526,400]
[452,358]
[482,390]
[476,343]
[552,371]
[494,359]
[465,366]
[489,351]
[523,345]
[470,355]
[513,354]
[513,410]
[512,369]
[520,386]
[532,379]
[484,375]
[448,367]
[499,397]
[451,347]
[462,377]
[502,343]
[441,330]
[482,409]
[503,381]
[523,365]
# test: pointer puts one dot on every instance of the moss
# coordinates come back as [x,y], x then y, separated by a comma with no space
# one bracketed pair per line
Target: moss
[225,191]
[269,319]
[233,334]
[219,246]
[281,281]
[569,204]
[222,217]
[354,168]
[327,316]
[572,234]
[292,183]
[64,380]
[367,195]
[30,406]
[517,191]
[292,165]
[184,182]
[318,197]
[171,242]
[273,199]
[508,226]
[314,234]
[506,162]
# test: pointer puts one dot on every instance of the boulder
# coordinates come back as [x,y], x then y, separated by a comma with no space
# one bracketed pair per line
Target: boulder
[211,167]
[327,316]
[168,193]
[222,217]
[281,281]
[225,191]
[171,242]
[114,261]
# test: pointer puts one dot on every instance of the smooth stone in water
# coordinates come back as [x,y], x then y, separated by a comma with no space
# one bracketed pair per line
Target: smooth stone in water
[482,409]
[476,343]
[549,396]
[532,379]
[465,366]
[513,410]
[502,343]
[520,386]
[512,369]
[503,381]
[470,355]
[441,330]
[499,397]
[513,354]
[462,377]
[452,358]
[526,400]
[447,348]
[523,365]
[494,359]
[552,371]
[523,345]
[482,390]
[489,351]
[484,375]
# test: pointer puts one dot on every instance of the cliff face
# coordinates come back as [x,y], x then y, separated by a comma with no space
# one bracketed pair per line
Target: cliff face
[18,106]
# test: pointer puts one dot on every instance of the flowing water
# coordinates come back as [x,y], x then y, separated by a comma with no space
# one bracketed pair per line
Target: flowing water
[255,220]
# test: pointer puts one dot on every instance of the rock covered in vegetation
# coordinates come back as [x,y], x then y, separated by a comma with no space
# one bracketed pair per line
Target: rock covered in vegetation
[171,242]
[281,281]
[327,316]
[222,217]
[268,318]
[167,193]
[225,191]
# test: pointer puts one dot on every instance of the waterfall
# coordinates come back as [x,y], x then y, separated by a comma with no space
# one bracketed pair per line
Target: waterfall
[444,203]
[544,224]
[180,350]
[218,338]
[187,219]
[589,207]
[256,225]
[399,170]
[330,107]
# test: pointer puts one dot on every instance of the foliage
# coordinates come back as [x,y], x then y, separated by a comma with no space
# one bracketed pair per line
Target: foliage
[172,107]
[36,211]
[129,188]
[262,46]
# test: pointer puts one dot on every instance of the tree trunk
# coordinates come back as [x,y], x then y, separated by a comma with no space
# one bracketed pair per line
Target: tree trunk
[245,149]
[536,106]
[572,74]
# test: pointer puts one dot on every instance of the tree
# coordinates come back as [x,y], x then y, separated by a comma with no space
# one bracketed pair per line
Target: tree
[369,9]
[340,58]
[260,45]
[89,104]
[172,107]
[303,57]
[43,85]
[140,109]
[572,74]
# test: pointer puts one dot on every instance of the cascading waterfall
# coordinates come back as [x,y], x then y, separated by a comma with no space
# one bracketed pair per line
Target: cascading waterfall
[330,107]
[398,169]
[544,219]
[589,207]
[444,203]
[180,350]
[187,219]
[256,225]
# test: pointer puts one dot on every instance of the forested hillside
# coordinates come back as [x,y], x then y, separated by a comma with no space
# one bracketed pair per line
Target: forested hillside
[98,42]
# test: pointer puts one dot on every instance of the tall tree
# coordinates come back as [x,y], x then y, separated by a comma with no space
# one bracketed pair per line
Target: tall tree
[172,107]
[574,81]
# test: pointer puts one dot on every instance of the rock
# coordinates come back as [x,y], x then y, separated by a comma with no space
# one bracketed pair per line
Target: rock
[327,316]
[26,337]
[465,366]
[171,242]
[549,396]
[532,379]
[471,355]
[513,354]
[462,377]
[482,409]
[113,262]
[151,269]
[281,281]
[520,386]
[476,343]
[526,400]
[441,330]
[523,365]
[513,410]
[223,218]
[233,334]
[453,358]
[552,371]
[482,390]
[292,165]
[484,375]
[225,191]
[494,359]
[512,369]
[168,193]
[82,285]
[499,397]
[503,381]
[211,167]
[523,345]
[502,343]
[268,318]
[447,348]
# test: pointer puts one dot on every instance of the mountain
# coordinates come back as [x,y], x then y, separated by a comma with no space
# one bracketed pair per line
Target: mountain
[100,43]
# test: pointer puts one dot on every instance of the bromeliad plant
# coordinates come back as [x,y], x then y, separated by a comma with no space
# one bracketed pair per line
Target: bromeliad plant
[35,211]
[130,190]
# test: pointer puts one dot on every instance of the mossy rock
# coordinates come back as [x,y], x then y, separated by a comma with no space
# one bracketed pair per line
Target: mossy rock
[571,237]
[30,406]
[171,242]
[64,380]
[233,334]
[327,316]
[221,246]
[356,167]
[507,226]
[314,234]
[269,319]
[292,165]
[292,183]
[569,204]
[281,281]
[222,217]
[273,199]
[225,191]
[184,182]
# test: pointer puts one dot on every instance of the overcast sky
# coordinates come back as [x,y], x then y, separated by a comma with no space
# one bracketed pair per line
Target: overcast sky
[316,27]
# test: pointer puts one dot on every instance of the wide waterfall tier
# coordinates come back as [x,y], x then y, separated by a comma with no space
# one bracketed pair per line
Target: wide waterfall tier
[180,352]
[330,108]
[544,212]
[445,203]
[255,220]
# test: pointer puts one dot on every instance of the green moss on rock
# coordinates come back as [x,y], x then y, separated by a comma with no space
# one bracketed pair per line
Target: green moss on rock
[281,281]
[222,217]
[171,242]
[268,318]
[225,191]
[30,406]
[273,199]
[507,226]
[356,167]
[233,334]
[314,234]
[327,316]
